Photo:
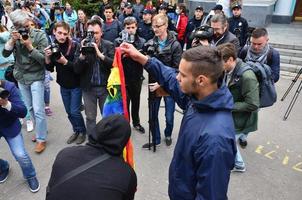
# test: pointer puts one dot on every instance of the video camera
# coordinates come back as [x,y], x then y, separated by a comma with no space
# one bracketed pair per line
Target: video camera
[88,47]
[55,50]
[24,33]
[204,32]
[150,48]
[4,93]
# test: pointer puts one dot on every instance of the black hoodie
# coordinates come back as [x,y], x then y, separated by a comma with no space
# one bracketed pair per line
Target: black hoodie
[113,179]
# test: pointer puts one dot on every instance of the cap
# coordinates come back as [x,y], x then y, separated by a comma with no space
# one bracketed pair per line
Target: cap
[128,5]
[218,7]
[147,11]
[199,8]
[163,7]
[237,5]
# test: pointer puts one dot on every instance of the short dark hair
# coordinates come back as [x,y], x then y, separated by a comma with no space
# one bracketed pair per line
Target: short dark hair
[94,22]
[259,32]
[227,50]
[206,61]
[129,20]
[182,7]
[62,24]
[109,6]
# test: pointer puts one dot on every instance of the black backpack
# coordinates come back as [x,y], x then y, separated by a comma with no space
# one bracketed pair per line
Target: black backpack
[267,91]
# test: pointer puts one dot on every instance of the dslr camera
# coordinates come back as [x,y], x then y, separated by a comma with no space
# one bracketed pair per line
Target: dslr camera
[204,32]
[150,48]
[4,93]
[55,50]
[24,33]
[88,47]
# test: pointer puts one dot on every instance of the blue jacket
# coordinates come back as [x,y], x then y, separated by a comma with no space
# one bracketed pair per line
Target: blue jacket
[9,120]
[205,150]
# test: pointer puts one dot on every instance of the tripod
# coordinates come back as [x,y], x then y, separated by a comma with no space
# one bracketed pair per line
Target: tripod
[151,107]
[295,97]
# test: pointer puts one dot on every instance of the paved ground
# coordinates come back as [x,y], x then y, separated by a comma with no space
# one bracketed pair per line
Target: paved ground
[273,156]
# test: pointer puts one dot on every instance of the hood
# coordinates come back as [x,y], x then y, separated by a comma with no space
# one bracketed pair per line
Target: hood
[111,134]
[221,99]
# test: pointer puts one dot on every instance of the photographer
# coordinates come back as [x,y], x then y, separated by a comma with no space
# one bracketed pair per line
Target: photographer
[11,109]
[93,65]
[61,54]
[165,47]
[202,36]
[133,70]
[29,70]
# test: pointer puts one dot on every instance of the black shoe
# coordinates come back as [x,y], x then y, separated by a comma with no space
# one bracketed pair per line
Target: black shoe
[81,138]
[34,185]
[4,175]
[72,138]
[147,145]
[168,141]
[139,128]
[242,143]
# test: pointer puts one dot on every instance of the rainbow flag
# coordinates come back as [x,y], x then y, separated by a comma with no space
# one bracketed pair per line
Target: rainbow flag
[116,101]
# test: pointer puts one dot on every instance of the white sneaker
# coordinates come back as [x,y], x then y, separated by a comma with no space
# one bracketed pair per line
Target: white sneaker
[29,126]
[21,121]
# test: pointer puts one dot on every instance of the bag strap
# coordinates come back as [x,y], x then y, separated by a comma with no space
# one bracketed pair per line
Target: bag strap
[79,170]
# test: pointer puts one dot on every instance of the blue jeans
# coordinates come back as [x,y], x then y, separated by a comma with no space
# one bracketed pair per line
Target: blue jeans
[17,148]
[72,100]
[47,87]
[238,159]
[33,96]
[169,114]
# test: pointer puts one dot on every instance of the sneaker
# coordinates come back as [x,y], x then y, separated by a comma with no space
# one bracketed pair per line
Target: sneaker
[21,121]
[168,141]
[29,125]
[239,169]
[34,185]
[147,145]
[242,143]
[48,111]
[81,138]
[139,128]
[4,175]
[72,138]
[40,147]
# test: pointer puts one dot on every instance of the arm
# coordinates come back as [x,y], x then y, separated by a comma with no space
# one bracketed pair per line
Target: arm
[36,49]
[250,93]
[176,54]
[275,66]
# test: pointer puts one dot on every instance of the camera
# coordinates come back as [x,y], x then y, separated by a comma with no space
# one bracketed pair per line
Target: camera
[204,32]
[237,32]
[24,33]
[4,93]
[150,48]
[88,47]
[55,50]
[58,6]
[129,38]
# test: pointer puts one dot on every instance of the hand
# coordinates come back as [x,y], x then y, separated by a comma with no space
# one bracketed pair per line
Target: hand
[131,51]
[62,60]
[3,102]
[47,51]
[153,86]
[98,53]
[27,43]
[15,35]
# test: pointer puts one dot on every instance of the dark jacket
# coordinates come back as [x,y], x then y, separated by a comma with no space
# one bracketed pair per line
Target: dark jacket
[111,30]
[80,33]
[145,30]
[225,38]
[112,179]
[238,26]
[246,99]
[66,77]
[133,71]
[122,17]
[192,24]
[272,60]
[85,69]
[205,150]
[9,120]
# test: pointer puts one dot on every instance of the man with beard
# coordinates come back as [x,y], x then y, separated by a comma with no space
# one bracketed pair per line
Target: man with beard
[93,65]
[61,54]
[222,35]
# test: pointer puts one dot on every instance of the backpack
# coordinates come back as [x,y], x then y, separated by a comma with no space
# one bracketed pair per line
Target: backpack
[267,91]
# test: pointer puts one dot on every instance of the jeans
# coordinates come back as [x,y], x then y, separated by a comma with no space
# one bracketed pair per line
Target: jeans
[169,114]
[72,100]
[91,98]
[47,87]
[33,96]
[238,159]
[17,148]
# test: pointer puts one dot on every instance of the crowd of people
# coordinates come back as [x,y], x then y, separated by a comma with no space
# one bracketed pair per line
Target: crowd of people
[196,63]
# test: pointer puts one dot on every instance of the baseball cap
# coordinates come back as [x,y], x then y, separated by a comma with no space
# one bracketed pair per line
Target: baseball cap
[163,7]
[128,5]
[218,7]
[199,8]
[237,5]
[147,11]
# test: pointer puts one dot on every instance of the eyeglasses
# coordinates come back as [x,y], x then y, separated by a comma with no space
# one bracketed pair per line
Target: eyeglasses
[158,26]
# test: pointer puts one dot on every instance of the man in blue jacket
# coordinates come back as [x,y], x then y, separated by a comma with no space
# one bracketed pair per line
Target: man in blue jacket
[11,109]
[205,151]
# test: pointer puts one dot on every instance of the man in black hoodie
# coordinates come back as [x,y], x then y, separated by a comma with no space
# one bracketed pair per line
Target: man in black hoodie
[112,179]
[61,54]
